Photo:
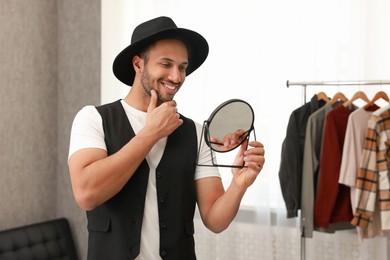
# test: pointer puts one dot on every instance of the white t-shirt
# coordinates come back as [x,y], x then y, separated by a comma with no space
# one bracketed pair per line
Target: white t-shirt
[87,132]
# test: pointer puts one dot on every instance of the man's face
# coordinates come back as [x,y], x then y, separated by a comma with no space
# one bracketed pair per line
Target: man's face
[165,69]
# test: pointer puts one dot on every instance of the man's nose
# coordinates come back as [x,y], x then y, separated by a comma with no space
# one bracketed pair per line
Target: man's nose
[176,75]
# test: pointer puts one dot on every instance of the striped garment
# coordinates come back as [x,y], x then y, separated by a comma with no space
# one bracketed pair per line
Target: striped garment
[372,182]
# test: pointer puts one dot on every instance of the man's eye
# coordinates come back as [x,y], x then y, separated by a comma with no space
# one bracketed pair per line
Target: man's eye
[165,65]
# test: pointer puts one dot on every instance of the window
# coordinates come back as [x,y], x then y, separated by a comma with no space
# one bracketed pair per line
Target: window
[255,47]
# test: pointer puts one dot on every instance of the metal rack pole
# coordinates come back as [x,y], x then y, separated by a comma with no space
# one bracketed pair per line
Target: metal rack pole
[338,83]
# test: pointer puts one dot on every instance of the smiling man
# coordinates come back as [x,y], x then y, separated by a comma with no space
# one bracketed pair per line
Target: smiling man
[133,164]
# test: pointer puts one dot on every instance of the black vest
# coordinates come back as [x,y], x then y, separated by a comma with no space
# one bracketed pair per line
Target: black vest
[115,226]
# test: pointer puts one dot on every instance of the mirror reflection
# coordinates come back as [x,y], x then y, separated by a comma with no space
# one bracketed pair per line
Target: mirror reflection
[229,142]
[228,127]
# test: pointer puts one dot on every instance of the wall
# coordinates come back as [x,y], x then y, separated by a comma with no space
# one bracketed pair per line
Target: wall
[50,68]
[79,62]
[28,97]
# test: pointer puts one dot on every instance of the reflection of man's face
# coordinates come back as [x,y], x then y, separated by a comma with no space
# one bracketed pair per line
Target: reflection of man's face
[165,69]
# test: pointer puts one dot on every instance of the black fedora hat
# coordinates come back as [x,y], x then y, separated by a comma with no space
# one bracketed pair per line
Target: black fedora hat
[157,29]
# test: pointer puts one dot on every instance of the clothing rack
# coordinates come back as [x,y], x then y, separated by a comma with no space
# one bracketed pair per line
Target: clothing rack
[304,84]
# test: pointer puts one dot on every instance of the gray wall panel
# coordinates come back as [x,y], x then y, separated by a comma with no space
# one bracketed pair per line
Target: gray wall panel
[50,68]
[79,62]
[28,94]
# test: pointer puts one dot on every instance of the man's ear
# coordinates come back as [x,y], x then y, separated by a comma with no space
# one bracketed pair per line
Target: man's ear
[137,63]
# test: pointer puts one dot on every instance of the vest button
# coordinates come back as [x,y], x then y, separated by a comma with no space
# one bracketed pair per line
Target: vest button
[158,174]
[163,253]
[162,200]
[162,225]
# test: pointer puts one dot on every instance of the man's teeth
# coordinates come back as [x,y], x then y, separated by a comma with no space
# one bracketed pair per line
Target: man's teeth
[170,87]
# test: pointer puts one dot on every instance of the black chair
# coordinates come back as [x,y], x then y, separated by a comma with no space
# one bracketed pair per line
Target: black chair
[50,240]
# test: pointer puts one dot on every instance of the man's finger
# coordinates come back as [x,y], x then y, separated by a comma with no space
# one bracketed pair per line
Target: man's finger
[153,100]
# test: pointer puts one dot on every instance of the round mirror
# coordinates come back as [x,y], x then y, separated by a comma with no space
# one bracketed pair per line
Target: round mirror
[229,125]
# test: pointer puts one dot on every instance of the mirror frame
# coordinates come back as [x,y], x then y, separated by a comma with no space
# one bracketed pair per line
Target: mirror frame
[206,134]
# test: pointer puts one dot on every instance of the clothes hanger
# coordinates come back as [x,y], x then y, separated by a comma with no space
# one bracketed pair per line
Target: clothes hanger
[378,95]
[357,95]
[338,96]
[322,96]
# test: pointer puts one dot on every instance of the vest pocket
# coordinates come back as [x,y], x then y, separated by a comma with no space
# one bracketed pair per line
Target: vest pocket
[190,228]
[98,223]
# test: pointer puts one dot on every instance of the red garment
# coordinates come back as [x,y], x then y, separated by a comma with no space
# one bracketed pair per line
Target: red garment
[333,202]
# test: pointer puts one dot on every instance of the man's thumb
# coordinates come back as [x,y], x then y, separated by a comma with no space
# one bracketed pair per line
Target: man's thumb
[153,100]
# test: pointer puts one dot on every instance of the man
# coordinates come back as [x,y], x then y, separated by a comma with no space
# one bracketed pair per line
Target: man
[133,162]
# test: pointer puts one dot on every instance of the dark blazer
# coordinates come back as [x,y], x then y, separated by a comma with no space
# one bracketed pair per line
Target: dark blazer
[291,163]
[115,226]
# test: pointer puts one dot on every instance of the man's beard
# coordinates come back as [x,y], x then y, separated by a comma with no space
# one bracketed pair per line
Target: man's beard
[147,84]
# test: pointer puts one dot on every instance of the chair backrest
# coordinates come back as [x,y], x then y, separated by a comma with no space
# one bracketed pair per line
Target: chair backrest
[50,240]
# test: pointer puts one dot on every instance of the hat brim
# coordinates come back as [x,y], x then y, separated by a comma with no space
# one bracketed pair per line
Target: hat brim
[197,48]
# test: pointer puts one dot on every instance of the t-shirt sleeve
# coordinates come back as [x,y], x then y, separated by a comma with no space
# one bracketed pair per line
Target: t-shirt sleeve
[204,158]
[87,131]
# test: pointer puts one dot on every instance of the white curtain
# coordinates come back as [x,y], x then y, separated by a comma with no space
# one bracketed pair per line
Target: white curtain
[255,47]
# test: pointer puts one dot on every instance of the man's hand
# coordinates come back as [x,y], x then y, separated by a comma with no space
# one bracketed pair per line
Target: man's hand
[253,159]
[163,119]
[230,141]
